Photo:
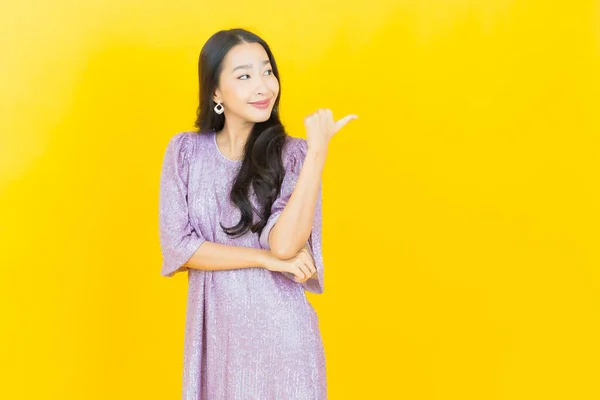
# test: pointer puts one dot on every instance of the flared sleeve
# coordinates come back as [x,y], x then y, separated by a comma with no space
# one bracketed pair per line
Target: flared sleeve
[178,239]
[294,154]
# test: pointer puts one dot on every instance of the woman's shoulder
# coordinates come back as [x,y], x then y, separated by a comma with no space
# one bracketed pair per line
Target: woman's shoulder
[294,153]
[295,145]
[187,142]
[295,148]
[187,137]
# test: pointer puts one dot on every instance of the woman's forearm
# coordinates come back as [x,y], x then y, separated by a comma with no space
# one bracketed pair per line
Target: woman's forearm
[213,256]
[293,227]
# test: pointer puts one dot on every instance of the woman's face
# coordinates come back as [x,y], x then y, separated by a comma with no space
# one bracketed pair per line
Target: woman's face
[247,77]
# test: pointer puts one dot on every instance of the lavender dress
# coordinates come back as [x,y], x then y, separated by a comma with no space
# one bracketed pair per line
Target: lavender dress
[251,333]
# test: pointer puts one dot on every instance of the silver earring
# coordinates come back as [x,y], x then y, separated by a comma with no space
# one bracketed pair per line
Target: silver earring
[219,108]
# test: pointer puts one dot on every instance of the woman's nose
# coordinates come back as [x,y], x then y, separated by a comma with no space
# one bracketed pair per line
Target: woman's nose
[262,87]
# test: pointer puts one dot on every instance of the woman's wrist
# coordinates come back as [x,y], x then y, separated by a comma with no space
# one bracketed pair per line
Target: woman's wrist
[265,258]
[316,153]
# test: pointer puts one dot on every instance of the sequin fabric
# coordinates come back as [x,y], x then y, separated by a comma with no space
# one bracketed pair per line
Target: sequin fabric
[250,333]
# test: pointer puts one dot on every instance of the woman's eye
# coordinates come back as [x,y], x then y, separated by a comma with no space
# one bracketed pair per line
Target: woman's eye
[270,71]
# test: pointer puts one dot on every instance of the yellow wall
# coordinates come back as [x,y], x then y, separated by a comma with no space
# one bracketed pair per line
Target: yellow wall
[461,208]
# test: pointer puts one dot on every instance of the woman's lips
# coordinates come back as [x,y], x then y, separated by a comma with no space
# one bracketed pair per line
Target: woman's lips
[262,104]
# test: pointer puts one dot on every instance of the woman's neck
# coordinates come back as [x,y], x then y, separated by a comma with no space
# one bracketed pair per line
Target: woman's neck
[233,139]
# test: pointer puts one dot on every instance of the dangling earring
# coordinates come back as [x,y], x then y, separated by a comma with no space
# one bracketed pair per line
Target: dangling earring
[219,108]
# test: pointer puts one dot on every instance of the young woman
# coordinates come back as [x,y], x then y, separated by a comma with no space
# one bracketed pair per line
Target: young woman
[240,211]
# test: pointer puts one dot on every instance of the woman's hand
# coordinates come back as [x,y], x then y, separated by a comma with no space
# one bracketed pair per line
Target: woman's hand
[320,128]
[301,266]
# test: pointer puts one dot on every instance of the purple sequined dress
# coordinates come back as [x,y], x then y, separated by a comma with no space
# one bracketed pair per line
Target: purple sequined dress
[251,333]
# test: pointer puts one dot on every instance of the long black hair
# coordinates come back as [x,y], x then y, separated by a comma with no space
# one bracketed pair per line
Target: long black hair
[262,167]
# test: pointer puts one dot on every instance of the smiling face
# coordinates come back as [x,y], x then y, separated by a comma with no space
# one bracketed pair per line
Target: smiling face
[247,77]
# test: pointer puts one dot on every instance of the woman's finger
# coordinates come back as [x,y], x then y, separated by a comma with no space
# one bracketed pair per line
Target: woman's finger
[340,124]
[311,266]
[306,270]
[312,270]
[297,270]
[308,260]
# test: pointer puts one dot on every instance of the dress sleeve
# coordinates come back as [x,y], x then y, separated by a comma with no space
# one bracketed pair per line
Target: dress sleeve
[293,160]
[178,239]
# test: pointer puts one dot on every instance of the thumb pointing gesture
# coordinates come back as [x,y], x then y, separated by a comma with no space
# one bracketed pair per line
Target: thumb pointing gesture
[340,124]
[320,127]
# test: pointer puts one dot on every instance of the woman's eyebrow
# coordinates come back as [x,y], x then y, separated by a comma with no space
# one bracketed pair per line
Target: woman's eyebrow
[248,66]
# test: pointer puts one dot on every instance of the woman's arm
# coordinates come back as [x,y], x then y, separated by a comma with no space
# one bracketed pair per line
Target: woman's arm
[296,220]
[293,227]
[213,256]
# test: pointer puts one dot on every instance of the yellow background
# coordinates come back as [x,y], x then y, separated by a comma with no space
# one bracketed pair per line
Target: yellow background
[461,210]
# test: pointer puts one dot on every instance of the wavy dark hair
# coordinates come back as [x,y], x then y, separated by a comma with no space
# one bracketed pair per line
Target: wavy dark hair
[262,167]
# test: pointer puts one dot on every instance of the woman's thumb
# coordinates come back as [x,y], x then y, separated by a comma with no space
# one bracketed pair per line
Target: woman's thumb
[344,121]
